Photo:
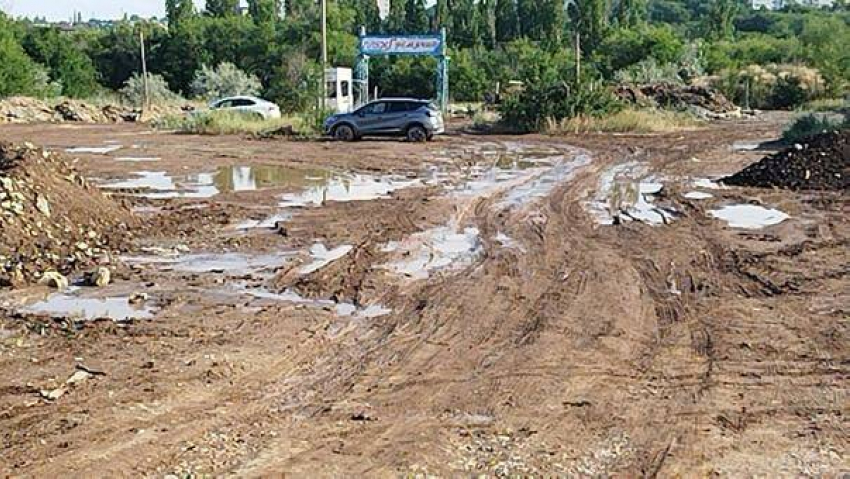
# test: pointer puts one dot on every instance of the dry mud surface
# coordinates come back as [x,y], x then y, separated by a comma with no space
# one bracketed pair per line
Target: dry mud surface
[470,306]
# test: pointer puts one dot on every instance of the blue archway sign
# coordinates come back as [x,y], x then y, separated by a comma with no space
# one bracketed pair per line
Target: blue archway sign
[389,45]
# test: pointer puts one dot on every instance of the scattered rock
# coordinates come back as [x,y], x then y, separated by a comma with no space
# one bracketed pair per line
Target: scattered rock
[101,277]
[54,280]
[138,298]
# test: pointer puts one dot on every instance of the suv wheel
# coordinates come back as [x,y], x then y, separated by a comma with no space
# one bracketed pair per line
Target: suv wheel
[417,133]
[344,133]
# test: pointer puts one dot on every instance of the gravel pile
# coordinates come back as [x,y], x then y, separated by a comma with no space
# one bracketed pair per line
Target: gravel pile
[51,219]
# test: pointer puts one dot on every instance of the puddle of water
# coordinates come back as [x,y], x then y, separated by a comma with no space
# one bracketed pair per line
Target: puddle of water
[749,216]
[635,197]
[230,263]
[698,195]
[435,249]
[95,150]
[267,223]
[543,184]
[354,187]
[323,257]
[72,306]
[160,185]
[507,242]
[257,177]
[138,159]
[341,309]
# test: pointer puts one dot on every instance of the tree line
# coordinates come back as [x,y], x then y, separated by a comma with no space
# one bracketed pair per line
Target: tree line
[490,41]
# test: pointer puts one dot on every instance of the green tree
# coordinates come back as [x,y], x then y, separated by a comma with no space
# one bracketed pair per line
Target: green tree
[395,21]
[630,13]
[18,72]
[719,23]
[442,16]
[486,19]
[589,18]
[415,16]
[222,8]
[507,21]
[178,11]
[65,59]
[264,11]
[464,29]
[527,15]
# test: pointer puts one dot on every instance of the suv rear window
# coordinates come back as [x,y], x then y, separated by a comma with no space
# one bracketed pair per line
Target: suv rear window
[398,107]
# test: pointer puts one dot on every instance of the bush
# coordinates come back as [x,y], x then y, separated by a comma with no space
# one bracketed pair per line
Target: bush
[627,121]
[224,81]
[223,123]
[810,125]
[134,90]
[542,103]
[773,86]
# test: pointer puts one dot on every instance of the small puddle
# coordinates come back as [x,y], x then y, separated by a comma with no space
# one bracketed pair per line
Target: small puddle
[749,216]
[698,195]
[258,177]
[322,257]
[94,150]
[160,185]
[341,309]
[622,195]
[439,248]
[73,306]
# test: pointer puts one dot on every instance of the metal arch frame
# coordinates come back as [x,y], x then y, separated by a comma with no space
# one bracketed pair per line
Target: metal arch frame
[361,70]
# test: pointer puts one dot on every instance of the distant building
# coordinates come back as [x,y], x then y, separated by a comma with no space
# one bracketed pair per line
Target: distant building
[384,8]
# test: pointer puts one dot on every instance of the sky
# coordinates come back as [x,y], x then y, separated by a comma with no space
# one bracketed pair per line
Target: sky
[103,9]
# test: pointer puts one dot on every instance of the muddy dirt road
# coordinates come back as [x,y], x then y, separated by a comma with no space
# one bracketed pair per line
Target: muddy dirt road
[474,305]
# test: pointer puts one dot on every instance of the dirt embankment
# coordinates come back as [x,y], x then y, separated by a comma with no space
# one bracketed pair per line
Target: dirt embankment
[52,219]
[32,110]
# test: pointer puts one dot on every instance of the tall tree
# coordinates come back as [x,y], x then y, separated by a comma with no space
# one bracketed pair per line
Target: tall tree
[720,21]
[178,11]
[630,13]
[550,20]
[395,21]
[442,16]
[222,8]
[264,11]
[415,16]
[296,8]
[527,14]
[464,25]
[589,18]
[486,20]
[507,21]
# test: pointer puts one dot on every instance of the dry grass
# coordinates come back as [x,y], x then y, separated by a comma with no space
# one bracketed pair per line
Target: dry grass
[225,123]
[627,121]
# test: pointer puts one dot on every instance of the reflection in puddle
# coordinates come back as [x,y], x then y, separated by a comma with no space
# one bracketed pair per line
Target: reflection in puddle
[72,306]
[160,185]
[94,150]
[349,187]
[257,177]
[749,216]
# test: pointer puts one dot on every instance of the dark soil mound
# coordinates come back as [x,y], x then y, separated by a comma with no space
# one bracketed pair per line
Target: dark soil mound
[821,163]
[51,219]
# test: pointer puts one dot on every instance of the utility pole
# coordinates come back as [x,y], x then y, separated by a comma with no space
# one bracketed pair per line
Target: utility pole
[147,101]
[324,54]
[578,55]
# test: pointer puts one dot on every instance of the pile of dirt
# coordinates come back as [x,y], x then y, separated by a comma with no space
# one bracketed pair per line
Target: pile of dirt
[667,95]
[32,110]
[51,219]
[822,163]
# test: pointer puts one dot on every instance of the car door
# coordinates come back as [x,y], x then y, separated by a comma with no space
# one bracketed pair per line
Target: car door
[372,119]
[396,118]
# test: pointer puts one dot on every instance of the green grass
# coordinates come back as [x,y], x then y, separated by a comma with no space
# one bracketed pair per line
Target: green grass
[627,121]
[225,123]
[826,105]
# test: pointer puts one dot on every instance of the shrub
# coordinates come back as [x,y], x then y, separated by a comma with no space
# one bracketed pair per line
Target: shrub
[134,90]
[810,125]
[223,123]
[772,86]
[224,81]
[539,103]
[627,121]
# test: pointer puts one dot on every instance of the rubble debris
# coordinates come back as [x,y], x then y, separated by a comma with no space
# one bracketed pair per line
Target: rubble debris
[100,277]
[706,100]
[46,218]
[821,163]
[54,280]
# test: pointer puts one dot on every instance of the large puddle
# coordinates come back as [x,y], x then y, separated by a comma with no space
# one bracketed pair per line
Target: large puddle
[71,305]
[422,254]
[626,192]
[346,187]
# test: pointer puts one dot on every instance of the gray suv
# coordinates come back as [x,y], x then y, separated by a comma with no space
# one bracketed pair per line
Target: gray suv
[417,120]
